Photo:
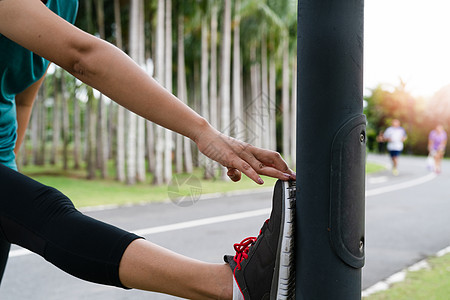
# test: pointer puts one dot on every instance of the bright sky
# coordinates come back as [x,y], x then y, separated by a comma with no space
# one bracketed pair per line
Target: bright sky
[407,39]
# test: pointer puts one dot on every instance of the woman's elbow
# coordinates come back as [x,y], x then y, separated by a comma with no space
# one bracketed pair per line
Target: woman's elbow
[82,58]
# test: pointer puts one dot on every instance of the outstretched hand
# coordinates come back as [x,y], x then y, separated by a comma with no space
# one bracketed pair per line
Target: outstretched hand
[239,157]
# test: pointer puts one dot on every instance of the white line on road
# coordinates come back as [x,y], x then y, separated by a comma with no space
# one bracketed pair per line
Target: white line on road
[202,222]
[379,179]
[400,186]
[247,214]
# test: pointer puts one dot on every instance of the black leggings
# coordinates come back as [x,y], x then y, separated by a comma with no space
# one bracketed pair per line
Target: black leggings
[43,220]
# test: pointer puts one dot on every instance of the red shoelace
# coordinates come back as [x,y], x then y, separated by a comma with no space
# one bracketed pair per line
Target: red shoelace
[243,247]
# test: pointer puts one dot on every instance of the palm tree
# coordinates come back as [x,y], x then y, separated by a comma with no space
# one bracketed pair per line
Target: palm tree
[90,107]
[56,117]
[293,137]
[101,115]
[237,77]
[168,85]
[42,131]
[272,102]
[135,17]
[265,22]
[265,100]
[120,154]
[65,121]
[76,129]
[254,109]
[140,59]
[285,102]
[159,75]
[183,142]
[91,137]
[35,124]
[213,115]
[204,73]
[225,74]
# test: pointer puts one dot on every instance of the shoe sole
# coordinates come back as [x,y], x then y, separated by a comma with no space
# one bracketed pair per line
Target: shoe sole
[283,282]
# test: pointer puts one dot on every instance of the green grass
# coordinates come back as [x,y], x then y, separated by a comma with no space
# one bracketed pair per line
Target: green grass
[373,168]
[108,191]
[426,284]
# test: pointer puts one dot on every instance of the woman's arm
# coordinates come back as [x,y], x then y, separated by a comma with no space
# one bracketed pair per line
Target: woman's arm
[24,105]
[106,68]
[95,62]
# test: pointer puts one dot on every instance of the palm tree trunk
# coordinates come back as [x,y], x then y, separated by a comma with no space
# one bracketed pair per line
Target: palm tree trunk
[120,154]
[84,150]
[77,131]
[140,150]
[272,103]
[211,166]
[56,124]
[101,137]
[238,125]
[187,149]
[101,116]
[140,59]
[90,108]
[132,117]
[285,100]
[111,127]
[159,75]
[42,129]
[204,83]
[150,129]
[65,122]
[182,94]
[264,109]
[35,116]
[168,135]
[225,75]
[294,113]
[91,136]
[254,116]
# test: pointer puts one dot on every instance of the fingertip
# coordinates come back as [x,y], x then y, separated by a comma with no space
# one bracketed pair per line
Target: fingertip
[293,175]
[234,179]
[234,174]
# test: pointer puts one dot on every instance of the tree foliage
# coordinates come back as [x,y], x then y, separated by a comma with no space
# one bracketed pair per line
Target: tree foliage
[417,115]
[265,26]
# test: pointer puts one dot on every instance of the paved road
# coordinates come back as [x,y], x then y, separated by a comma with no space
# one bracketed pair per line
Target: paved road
[407,219]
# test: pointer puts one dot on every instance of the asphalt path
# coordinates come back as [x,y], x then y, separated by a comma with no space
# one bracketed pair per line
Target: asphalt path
[407,219]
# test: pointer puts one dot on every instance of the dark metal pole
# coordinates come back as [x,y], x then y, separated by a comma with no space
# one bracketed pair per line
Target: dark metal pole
[330,150]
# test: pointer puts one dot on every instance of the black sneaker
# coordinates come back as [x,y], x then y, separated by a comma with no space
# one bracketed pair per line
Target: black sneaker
[263,266]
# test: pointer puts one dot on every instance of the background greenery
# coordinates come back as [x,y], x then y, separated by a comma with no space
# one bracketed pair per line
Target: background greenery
[417,115]
[233,61]
[110,192]
[425,284]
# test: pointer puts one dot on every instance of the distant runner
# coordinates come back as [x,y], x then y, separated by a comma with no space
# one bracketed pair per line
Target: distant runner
[395,135]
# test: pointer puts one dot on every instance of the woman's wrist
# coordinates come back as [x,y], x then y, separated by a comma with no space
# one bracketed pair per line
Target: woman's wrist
[200,128]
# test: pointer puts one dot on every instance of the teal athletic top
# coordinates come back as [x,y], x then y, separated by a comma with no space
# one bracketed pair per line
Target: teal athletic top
[20,68]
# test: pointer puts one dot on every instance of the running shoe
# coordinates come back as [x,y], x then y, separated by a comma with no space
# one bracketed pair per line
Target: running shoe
[264,266]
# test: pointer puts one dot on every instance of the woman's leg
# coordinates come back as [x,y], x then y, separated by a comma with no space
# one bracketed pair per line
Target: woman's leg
[44,221]
[147,266]
[437,160]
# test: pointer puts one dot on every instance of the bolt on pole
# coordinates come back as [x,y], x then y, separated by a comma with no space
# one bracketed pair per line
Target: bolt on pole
[331,139]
